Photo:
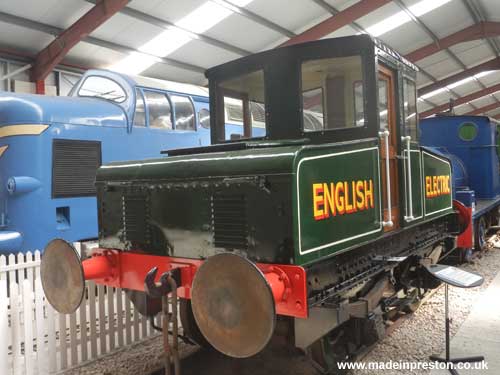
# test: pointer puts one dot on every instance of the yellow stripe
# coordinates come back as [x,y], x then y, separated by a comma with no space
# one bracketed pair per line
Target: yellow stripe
[3,149]
[25,129]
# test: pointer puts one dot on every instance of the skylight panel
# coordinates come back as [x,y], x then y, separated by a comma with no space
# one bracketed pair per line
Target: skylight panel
[389,24]
[134,63]
[166,42]
[203,18]
[455,84]
[400,18]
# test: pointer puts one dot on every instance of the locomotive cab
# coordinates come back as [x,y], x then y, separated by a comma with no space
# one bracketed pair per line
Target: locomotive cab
[321,213]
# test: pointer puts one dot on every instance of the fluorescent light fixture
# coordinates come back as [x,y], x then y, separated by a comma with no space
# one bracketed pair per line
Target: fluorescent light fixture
[400,18]
[198,21]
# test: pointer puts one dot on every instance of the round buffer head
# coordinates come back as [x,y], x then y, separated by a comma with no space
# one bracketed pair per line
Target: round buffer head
[62,276]
[233,305]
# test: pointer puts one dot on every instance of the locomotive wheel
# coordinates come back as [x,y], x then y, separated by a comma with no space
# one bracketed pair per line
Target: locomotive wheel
[328,351]
[189,325]
[414,303]
[480,234]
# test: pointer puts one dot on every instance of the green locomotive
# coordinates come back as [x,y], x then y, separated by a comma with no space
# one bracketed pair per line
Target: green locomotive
[324,220]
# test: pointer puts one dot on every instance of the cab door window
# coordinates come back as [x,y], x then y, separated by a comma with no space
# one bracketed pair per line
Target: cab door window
[410,108]
[159,110]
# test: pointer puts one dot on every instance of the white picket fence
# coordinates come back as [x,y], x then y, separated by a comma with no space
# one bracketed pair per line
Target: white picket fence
[35,339]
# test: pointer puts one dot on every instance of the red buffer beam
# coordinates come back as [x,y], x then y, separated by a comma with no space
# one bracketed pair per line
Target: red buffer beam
[339,20]
[486,66]
[53,54]
[478,31]
[462,100]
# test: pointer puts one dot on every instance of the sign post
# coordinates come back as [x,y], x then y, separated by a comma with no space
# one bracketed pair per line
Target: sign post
[462,279]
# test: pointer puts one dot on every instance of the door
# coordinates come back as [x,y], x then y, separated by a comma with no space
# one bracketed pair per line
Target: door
[390,182]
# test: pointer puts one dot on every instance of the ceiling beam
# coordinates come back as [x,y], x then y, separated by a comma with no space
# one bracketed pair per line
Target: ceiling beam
[493,64]
[52,30]
[480,30]
[462,100]
[337,21]
[55,52]
[484,109]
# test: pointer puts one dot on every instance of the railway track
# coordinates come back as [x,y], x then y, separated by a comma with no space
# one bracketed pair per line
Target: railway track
[200,355]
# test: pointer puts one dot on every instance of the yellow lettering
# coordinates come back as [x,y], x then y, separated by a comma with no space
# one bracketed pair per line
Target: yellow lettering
[329,199]
[318,202]
[339,199]
[368,194]
[360,197]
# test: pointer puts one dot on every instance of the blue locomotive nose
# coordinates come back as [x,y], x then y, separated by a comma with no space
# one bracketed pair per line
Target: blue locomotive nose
[10,241]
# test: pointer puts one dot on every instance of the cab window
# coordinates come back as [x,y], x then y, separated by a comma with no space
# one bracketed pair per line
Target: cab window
[332,93]
[244,107]
[140,113]
[159,111]
[103,88]
[410,108]
[184,112]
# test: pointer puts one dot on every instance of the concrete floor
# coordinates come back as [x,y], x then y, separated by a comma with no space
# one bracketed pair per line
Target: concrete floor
[480,333]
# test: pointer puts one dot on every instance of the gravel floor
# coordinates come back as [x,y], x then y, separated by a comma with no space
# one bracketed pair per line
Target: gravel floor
[419,336]
[423,334]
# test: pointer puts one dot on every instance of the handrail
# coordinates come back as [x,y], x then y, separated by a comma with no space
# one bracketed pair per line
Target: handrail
[385,134]
[407,139]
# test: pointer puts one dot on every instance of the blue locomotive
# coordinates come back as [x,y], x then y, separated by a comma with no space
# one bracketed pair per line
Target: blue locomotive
[472,145]
[51,147]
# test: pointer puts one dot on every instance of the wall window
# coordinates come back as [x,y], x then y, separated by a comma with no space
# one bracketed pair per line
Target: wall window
[410,108]
[160,114]
[140,112]
[204,118]
[184,112]
[332,93]
[244,107]
[104,88]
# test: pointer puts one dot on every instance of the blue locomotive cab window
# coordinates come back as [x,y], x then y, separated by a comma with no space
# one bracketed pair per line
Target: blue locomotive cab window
[159,111]
[184,112]
[103,88]
[332,94]
[244,107]
[140,110]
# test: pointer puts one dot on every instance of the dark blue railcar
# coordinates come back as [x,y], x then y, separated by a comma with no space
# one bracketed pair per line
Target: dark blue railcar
[471,143]
[50,148]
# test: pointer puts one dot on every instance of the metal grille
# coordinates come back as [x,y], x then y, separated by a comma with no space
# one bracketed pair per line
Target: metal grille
[135,215]
[229,221]
[74,165]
